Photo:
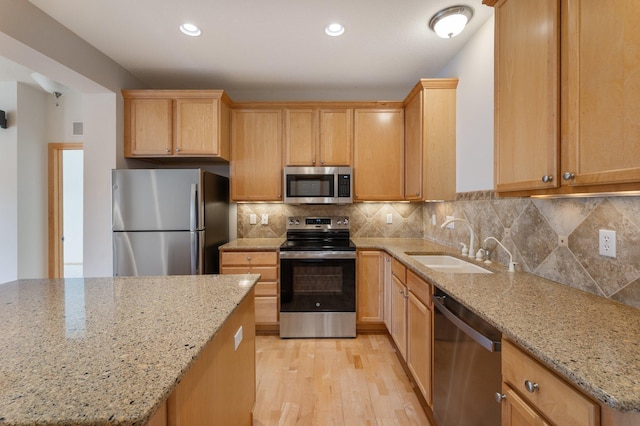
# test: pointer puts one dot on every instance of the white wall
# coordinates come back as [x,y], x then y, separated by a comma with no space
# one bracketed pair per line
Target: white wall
[60,118]
[32,183]
[59,54]
[9,184]
[474,120]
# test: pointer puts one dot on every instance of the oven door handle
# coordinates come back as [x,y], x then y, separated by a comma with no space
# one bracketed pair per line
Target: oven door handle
[318,254]
[476,335]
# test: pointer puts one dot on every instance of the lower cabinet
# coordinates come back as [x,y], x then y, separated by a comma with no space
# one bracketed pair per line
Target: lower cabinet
[388,274]
[266,264]
[399,296]
[370,287]
[533,395]
[420,334]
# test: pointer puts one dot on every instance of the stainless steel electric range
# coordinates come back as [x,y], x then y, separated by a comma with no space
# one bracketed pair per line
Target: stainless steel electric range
[318,278]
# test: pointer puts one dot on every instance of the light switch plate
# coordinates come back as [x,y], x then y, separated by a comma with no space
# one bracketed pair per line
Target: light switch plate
[265,219]
[389,218]
[252,219]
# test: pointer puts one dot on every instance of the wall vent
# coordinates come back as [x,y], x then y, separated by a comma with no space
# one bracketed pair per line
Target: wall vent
[78,128]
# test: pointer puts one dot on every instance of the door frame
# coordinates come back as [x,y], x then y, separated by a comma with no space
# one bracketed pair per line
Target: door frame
[55,206]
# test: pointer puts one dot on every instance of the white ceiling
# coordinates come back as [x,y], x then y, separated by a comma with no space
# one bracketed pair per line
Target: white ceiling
[271,50]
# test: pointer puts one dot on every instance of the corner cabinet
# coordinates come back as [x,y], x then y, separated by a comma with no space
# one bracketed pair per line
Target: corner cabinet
[567,97]
[176,124]
[318,137]
[378,164]
[430,140]
[256,155]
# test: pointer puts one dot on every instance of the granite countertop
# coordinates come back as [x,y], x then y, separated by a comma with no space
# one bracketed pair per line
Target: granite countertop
[591,341]
[105,350]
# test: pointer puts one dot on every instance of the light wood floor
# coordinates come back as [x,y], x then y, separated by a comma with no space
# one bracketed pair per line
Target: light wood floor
[332,382]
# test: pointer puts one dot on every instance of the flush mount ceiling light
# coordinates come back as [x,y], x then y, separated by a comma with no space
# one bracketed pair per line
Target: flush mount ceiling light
[190,29]
[451,21]
[334,30]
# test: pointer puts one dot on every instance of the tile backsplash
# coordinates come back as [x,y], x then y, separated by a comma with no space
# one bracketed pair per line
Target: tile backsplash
[552,238]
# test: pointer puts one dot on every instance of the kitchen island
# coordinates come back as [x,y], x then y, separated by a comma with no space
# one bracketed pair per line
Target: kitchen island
[125,351]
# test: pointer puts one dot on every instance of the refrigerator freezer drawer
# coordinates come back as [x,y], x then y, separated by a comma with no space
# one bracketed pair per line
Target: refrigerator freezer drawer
[157,253]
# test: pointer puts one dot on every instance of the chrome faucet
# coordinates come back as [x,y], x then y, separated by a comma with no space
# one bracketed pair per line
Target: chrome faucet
[512,264]
[472,238]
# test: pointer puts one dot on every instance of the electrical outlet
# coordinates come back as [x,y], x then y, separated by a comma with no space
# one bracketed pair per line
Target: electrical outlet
[607,243]
[265,219]
[389,218]
[433,220]
[450,226]
[252,219]
[237,339]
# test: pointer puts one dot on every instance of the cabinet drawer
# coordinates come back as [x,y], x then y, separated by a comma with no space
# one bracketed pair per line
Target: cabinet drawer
[266,288]
[399,270]
[554,398]
[266,310]
[267,273]
[249,258]
[420,288]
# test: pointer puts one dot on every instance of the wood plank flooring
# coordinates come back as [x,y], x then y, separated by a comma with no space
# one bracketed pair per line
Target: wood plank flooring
[332,382]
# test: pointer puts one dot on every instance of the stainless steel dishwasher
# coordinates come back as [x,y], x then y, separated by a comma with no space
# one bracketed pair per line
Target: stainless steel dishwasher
[466,366]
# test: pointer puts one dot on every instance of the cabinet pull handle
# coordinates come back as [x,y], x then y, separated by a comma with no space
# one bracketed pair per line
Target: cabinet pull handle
[547,178]
[500,397]
[530,386]
[568,176]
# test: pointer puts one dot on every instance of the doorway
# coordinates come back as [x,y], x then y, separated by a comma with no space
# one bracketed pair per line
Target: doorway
[65,210]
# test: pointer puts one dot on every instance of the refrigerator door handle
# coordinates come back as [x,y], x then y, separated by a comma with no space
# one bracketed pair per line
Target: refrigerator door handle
[195,253]
[193,208]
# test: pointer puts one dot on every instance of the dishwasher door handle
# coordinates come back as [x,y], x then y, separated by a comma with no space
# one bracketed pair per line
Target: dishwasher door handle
[480,338]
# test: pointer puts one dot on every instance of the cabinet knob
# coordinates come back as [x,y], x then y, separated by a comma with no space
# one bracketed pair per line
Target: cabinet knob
[547,178]
[313,161]
[167,150]
[321,161]
[500,397]
[248,257]
[177,149]
[568,176]
[530,386]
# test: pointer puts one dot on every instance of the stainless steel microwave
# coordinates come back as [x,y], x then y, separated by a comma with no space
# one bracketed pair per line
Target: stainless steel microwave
[318,185]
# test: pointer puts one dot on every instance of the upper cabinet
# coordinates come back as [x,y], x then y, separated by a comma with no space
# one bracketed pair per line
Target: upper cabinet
[567,97]
[256,155]
[170,124]
[318,137]
[378,154]
[430,140]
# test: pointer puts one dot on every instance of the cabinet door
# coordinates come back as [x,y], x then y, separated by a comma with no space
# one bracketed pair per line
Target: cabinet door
[419,344]
[413,146]
[603,92]
[387,291]
[197,127]
[301,137]
[370,288]
[256,155]
[336,137]
[399,315]
[527,138]
[379,155]
[516,412]
[148,127]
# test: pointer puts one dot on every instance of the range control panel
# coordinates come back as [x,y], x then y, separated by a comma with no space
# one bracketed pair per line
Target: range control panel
[328,222]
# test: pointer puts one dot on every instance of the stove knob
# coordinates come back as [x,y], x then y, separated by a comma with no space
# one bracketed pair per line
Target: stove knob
[346,221]
[339,222]
[290,222]
[297,222]
[317,304]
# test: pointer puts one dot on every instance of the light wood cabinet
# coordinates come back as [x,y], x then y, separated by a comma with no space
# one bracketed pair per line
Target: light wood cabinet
[212,390]
[567,95]
[378,155]
[535,394]
[265,263]
[370,286]
[430,140]
[399,296]
[420,334]
[388,274]
[256,155]
[174,124]
[318,137]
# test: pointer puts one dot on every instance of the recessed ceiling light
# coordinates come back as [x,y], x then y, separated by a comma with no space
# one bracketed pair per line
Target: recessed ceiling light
[334,30]
[190,30]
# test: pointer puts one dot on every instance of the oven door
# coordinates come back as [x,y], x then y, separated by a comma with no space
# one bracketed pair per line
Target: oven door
[318,281]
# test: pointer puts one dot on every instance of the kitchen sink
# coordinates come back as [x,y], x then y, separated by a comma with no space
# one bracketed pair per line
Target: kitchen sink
[445,263]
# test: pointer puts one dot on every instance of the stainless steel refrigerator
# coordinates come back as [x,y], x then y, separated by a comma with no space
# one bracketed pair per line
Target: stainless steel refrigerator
[168,221]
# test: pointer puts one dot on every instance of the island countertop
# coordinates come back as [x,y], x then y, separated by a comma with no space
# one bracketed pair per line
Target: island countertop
[105,350]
